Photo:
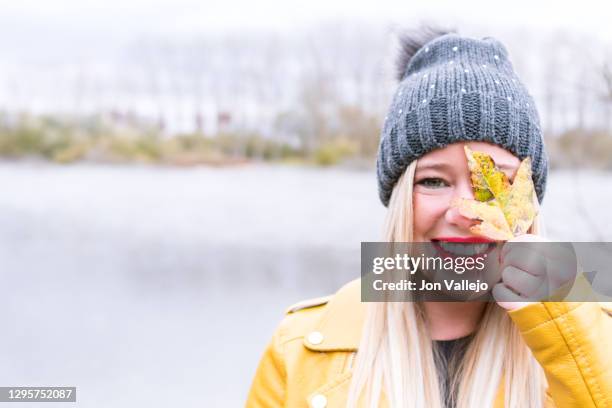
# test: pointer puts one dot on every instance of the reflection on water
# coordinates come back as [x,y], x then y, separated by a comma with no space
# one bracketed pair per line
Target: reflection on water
[160,287]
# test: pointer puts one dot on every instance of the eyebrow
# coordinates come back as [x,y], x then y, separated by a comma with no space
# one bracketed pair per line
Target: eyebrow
[444,166]
[432,166]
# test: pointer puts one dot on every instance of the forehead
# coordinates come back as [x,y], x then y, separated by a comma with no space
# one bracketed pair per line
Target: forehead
[453,155]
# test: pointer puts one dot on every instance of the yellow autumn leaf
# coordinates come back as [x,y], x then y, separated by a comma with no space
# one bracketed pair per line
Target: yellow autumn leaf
[487,181]
[503,210]
[520,209]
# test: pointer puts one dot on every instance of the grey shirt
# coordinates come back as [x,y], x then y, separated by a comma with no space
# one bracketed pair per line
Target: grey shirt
[446,368]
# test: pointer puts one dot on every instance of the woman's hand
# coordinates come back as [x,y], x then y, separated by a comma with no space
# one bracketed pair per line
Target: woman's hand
[533,270]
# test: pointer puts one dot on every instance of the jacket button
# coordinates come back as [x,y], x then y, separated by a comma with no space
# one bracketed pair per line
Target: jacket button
[318,401]
[315,337]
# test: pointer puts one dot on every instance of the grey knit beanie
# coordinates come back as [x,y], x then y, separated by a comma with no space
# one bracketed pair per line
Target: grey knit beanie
[453,89]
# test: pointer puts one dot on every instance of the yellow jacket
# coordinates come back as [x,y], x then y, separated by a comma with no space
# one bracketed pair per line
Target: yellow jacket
[308,362]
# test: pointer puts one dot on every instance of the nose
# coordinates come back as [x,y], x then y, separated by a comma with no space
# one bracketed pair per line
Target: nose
[452,215]
[454,218]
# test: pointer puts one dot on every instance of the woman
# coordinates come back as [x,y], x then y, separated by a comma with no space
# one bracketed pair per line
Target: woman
[338,351]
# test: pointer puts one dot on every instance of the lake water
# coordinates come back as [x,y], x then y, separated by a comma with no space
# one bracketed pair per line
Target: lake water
[157,287]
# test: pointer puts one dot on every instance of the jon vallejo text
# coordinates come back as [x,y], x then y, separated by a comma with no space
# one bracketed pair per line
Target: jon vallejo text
[461,285]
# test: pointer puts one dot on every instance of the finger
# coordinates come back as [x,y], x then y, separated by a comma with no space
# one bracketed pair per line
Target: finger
[501,293]
[558,268]
[522,282]
[561,251]
[527,259]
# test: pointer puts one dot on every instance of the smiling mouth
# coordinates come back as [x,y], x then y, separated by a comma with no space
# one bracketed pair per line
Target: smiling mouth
[464,249]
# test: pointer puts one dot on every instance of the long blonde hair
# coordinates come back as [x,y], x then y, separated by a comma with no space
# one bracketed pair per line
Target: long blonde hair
[396,356]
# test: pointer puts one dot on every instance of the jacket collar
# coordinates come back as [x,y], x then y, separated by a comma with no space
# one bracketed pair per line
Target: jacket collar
[341,323]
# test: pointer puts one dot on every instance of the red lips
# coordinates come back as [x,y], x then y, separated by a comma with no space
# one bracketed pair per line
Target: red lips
[467,240]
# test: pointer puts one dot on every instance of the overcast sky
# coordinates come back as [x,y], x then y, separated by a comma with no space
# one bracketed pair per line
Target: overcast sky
[33,23]
[39,40]
[176,15]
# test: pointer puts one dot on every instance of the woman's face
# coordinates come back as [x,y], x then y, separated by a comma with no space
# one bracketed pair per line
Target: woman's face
[442,176]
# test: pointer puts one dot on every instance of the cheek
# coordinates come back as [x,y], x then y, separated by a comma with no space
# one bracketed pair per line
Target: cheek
[429,211]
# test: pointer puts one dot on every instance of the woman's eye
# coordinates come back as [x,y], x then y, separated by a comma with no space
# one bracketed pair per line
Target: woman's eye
[433,182]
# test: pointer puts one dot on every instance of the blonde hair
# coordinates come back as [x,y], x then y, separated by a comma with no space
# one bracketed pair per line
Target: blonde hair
[396,353]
